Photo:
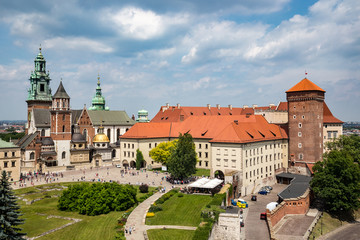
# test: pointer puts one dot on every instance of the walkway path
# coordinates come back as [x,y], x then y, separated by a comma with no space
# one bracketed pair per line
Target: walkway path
[137,220]
[350,231]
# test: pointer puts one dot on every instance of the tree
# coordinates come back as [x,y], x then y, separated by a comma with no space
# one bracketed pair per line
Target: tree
[9,212]
[336,181]
[162,152]
[139,159]
[349,144]
[182,162]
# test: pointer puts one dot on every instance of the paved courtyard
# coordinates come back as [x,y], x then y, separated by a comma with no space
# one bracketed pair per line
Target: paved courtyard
[111,173]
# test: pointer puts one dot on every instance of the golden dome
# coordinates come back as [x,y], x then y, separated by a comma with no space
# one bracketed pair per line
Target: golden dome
[100,138]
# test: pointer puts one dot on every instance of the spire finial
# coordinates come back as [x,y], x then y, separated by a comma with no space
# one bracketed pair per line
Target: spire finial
[305,73]
[60,79]
[40,48]
[98,79]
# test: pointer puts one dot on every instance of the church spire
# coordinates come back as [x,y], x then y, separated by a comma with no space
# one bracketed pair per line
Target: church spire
[98,101]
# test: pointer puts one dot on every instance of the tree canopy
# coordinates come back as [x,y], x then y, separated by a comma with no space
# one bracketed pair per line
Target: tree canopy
[162,152]
[337,178]
[349,144]
[182,162]
[9,212]
[97,198]
[139,159]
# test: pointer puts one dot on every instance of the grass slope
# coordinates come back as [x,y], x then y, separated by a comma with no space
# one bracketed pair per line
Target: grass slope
[170,234]
[183,211]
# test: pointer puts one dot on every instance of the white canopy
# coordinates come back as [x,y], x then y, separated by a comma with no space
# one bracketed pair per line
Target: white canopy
[271,206]
[205,183]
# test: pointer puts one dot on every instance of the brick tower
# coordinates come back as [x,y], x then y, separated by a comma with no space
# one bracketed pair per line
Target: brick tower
[39,93]
[60,130]
[305,106]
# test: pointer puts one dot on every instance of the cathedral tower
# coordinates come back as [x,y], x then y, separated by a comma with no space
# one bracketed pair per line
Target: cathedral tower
[60,130]
[98,101]
[39,94]
[305,104]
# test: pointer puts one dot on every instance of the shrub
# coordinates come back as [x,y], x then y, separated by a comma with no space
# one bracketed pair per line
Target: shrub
[155,208]
[144,188]
[180,195]
[97,198]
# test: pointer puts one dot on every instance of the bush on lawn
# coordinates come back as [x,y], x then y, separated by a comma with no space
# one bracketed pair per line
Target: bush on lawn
[218,199]
[180,195]
[144,188]
[166,196]
[97,198]
[155,208]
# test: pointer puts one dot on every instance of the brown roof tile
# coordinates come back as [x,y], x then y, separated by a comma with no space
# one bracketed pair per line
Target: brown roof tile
[305,85]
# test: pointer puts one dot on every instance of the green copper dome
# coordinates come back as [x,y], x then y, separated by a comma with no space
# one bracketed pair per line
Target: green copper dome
[143,116]
[39,81]
[98,101]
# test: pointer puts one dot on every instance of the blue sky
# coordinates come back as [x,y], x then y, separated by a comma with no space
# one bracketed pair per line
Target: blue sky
[149,53]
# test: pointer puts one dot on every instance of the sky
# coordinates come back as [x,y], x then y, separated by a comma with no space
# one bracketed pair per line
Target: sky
[149,53]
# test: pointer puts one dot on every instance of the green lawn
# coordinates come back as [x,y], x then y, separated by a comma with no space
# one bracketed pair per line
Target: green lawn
[202,172]
[183,211]
[36,222]
[170,234]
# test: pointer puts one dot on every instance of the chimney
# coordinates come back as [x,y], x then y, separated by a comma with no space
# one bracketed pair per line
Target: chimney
[178,105]
[230,106]
[167,105]
[271,105]
[254,106]
[218,106]
[209,106]
[133,117]
[245,106]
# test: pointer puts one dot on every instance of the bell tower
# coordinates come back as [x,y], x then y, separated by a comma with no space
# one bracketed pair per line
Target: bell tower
[39,93]
[305,119]
[60,130]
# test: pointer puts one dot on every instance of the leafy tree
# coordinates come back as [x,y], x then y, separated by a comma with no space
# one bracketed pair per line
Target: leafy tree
[349,144]
[162,152]
[97,198]
[337,181]
[182,162]
[139,159]
[9,212]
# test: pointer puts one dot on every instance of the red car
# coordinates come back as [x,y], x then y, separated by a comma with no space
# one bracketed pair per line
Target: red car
[263,216]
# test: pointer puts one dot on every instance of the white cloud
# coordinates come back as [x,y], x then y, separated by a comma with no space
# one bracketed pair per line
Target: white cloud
[190,56]
[141,24]
[77,43]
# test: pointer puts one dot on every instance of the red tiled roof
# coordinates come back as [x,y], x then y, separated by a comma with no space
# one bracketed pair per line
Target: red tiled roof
[174,113]
[305,85]
[310,166]
[283,106]
[328,117]
[235,129]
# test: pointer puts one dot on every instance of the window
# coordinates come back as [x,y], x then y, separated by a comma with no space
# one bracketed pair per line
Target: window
[300,125]
[149,145]
[206,146]
[218,162]
[43,132]
[128,145]
[246,163]
[13,154]
[294,116]
[13,164]
[206,155]
[299,134]
[5,164]
[124,145]
[133,146]
[206,163]
[32,155]
[303,116]
[124,153]
[132,154]
[199,154]
[301,156]
[85,134]
[246,176]
[246,153]
[199,145]
[335,134]
[226,152]
[63,155]
[233,163]
[233,153]
[63,128]
[300,145]
[80,145]
[109,133]
[155,144]
[199,163]
[226,162]
[218,151]
[117,134]
[42,87]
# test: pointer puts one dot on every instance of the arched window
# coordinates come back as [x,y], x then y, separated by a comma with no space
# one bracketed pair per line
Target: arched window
[109,134]
[63,155]
[43,132]
[85,134]
[32,155]
[117,134]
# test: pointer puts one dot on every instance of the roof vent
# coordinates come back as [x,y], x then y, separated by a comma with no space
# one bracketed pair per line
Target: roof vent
[203,134]
[178,105]
[230,106]
[250,134]
[273,133]
[236,122]
[208,106]
[218,106]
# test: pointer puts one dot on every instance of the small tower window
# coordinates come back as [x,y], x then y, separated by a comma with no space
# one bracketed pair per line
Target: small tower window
[42,87]
[63,155]
[294,116]
[63,128]
[32,155]
[300,145]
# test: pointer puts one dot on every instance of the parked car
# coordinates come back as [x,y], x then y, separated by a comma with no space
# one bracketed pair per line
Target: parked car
[263,216]
[268,188]
[263,192]
[118,165]
[253,198]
